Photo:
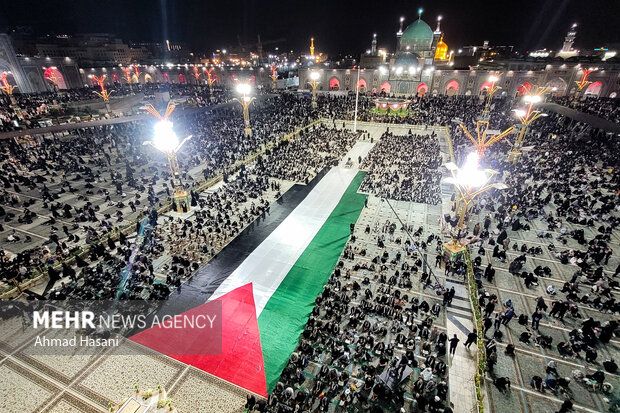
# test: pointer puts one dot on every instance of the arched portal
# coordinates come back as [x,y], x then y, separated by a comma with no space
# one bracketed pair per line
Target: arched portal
[557,86]
[452,88]
[374,91]
[334,84]
[361,85]
[386,87]
[165,76]
[181,78]
[422,90]
[523,88]
[54,76]
[148,78]
[594,89]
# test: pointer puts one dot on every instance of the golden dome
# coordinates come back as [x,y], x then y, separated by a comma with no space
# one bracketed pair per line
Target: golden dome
[441,53]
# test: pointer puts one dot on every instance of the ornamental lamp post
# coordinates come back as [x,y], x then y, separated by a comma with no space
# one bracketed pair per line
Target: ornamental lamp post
[314,82]
[526,117]
[490,92]
[244,90]
[166,141]
[470,182]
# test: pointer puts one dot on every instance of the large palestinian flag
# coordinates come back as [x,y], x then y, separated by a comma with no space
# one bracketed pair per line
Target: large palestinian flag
[265,302]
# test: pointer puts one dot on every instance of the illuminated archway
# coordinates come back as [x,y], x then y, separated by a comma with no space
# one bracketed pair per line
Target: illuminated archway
[181,78]
[374,90]
[558,84]
[334,84]
[452,88]
[613,95]
[135,78]
[361,85]
[148,78]
[594,89]
[165,76]
[253,79]
[422,90]
[115,78]
[386,87]
[523,88]
[54,76]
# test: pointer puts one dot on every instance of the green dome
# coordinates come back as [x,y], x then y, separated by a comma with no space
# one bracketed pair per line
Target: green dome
[418,36]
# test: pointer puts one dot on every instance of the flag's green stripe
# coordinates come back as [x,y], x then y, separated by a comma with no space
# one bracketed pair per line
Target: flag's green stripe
[286,313]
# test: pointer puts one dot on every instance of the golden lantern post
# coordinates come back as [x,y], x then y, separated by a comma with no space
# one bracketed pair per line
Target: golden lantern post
[314,82]
[527,117]
[51,77]
[8,88]
[469,182]
[196,75]
[490,92]
[485,137]
[166,141]
[274,77]
[583,82]
[210,81]
[137,72]
[127,71]
[244,90]
[104,94]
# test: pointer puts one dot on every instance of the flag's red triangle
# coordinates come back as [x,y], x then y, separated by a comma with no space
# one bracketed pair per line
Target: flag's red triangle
[241,358]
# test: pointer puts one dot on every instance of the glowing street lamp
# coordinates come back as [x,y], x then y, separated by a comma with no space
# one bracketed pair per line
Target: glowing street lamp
[104,94]
[274,77]
[166,141]
[527,116]
[583,82]
[7,88]
[244,90]
[196,75]
[491,91]
[470,182]
[210,81]
[314,82]
[485,137]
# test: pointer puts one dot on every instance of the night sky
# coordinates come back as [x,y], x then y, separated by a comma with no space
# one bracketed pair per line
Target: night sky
[338,26]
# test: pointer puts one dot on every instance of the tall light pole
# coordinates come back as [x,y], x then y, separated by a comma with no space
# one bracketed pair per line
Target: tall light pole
[104,94]
[532,97]
[314,82]
[244,90]
[7,88]
[485,137]
[490,92]
[469,182]
[210,81]
[274,77]
[583,82]
[166,141]
[357,95]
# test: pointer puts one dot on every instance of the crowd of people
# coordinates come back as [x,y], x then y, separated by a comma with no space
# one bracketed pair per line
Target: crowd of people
[606,108]
[84,209]
[380,316]
[404,168]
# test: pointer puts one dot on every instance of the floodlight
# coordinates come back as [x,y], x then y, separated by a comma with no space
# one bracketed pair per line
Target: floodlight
[315,75]
[243,88]
[165,139]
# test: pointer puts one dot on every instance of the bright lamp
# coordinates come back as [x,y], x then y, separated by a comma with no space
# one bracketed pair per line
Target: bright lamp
[165,139]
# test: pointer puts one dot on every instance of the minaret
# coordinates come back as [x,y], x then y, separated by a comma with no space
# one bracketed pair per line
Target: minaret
[570,39]
[373,48]
[438,29]
[399,34]
[312,46]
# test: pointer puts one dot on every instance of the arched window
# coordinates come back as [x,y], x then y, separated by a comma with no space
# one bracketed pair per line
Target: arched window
[523,88]
[594,89]
[334,84]
[452,88]
[386,87]
[422,90]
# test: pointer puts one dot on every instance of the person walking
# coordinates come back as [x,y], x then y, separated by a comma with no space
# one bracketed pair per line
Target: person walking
[471,338]
[453,343]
